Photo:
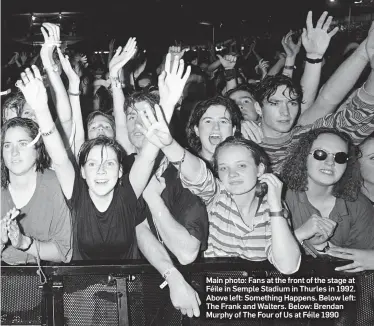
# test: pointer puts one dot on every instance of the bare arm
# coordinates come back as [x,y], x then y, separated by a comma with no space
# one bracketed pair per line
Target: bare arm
[338,85]
[119,60]
[291,49]
[35,94]
[176,237]
[182,295]
[315,41]
[62,101]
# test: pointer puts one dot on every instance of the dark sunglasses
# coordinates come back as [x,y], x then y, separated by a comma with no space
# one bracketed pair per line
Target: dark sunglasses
[321,155]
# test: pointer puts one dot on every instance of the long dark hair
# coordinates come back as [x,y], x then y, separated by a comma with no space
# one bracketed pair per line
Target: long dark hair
[295,173]
[43,161]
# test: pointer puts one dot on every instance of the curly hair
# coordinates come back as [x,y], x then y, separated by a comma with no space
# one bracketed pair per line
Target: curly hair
[269,85]
[258,153]
[102,141]
[295,174]
[201,107]
[43,161]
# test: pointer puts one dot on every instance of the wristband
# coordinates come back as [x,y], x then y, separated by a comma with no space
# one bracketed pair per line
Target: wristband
[29,246]
[74,94]
[314,60]
[289,67]
[229,74]
[165,275]
[179,163]
[50,132]
[278,213]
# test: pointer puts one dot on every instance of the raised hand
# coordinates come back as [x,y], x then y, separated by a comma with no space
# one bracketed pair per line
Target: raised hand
[32,87]
[316,39]
[252,131]
[274,191]
[176,51]
[370,45]
[23,57]
[263,66]
[122,56]
[291,48]
[66,66]
[362,259]
[51,34]
[171,81]
[228,61]
[156,131]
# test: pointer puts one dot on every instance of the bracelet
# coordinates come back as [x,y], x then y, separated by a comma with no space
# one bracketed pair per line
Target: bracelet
[29,246]
[50,132]
[74,94]
[165,275]
[179,163]
[278,213]
[290,67]
[314,60]
[115,82]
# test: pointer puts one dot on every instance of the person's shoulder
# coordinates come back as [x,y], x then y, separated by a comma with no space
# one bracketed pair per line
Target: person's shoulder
[363,202]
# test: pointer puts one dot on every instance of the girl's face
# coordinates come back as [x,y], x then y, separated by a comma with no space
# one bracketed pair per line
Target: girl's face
[101,170]
[18,157]
[237,169]
[326,172]
[367,161]
[214,127]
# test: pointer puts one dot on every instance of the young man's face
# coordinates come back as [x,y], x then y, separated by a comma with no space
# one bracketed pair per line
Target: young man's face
[246,104]
[279,112]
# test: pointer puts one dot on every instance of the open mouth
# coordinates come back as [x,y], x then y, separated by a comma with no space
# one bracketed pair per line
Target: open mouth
[137,134]
[215,139]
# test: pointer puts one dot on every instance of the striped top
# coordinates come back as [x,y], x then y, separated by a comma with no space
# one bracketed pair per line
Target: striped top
[356,118]
[229,236]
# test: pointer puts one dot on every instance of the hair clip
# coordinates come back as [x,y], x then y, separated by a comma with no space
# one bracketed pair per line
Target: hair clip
[32,143]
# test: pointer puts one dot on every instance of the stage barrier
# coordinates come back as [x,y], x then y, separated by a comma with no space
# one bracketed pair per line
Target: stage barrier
[128,294]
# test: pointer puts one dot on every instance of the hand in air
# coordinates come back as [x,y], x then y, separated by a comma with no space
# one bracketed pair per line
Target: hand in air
[290,47]
[32,86]
[228,61]
[122,56]
[156,131]
[171,82]
[68,69]
[317,39]
[51,34]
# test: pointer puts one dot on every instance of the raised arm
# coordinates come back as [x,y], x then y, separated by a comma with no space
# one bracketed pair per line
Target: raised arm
[277,67]
[291,49]
[315,41]
[51,33]
[78,135]
[339,84]
[35,94]
[182,295]
[228,63]
[119,60]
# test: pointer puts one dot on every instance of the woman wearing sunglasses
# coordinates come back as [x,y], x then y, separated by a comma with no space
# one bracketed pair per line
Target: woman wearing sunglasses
[324,182]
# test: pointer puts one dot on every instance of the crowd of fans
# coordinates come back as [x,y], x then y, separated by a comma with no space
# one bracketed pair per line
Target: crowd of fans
[107,161]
